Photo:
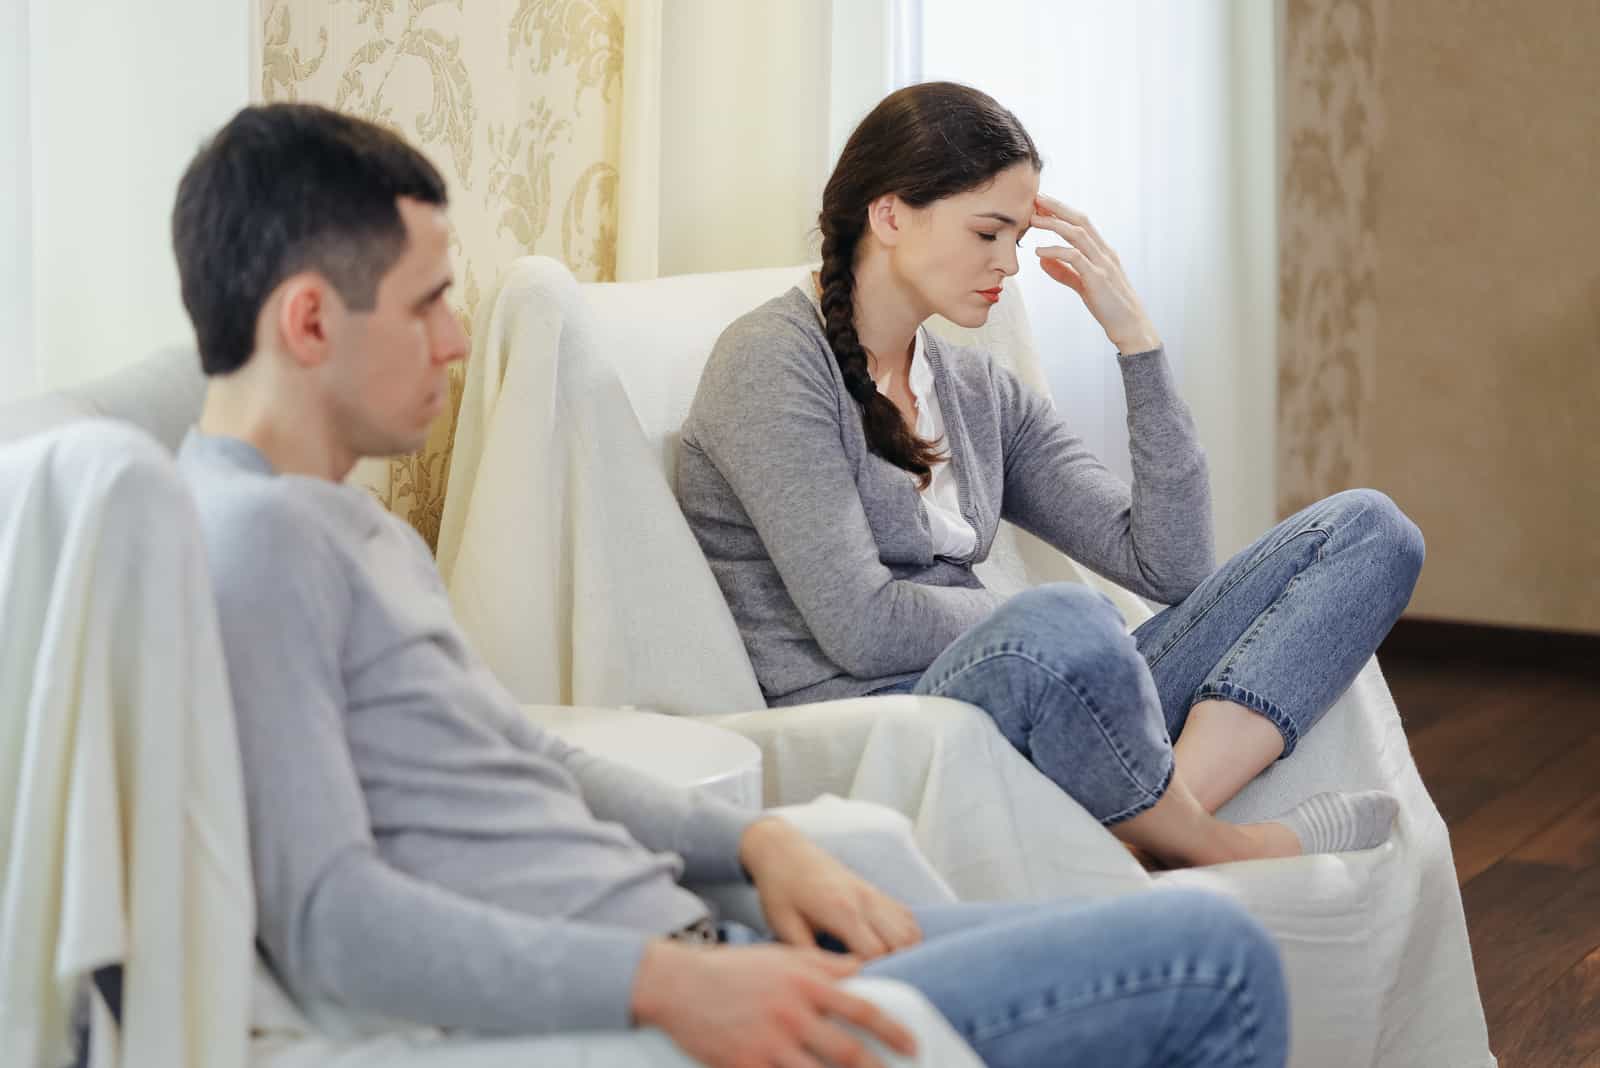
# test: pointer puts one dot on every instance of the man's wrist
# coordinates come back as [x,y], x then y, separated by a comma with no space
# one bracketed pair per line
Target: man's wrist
[652,982]
[760,840]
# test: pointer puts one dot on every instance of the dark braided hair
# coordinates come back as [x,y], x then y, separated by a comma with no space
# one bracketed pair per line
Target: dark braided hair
[923,143]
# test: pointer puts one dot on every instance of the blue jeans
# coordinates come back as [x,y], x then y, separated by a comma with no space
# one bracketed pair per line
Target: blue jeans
[1164,978]
[1283,628]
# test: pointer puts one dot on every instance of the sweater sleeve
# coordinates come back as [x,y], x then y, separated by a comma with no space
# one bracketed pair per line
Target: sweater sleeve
[338,923]
[1154,537]
[697,825]
[770,417]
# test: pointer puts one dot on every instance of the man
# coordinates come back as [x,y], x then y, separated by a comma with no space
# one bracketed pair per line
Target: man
[420,850]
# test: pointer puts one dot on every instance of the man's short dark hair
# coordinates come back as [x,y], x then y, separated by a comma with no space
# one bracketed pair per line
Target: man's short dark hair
[284,188]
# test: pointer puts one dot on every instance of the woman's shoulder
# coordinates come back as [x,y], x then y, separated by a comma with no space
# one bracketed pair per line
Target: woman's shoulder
[788,320]
[778,339]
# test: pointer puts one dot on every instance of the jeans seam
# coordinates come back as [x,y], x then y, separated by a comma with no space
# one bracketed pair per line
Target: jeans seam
[1117,747]
[1263,706]
[1054,1004]
[1244,574]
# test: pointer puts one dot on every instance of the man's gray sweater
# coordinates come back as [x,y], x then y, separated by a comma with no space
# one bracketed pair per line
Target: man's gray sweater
[421,850]
[822,548]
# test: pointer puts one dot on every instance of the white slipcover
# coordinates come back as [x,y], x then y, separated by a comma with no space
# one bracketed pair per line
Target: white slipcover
[572,570]
[125,840]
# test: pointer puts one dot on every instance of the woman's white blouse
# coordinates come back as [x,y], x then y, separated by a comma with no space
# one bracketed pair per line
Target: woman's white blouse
[953,536]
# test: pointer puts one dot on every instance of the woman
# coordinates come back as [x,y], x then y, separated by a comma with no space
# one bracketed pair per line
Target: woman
[844,470]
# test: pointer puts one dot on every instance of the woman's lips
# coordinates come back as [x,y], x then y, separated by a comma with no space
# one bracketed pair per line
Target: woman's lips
[991,295]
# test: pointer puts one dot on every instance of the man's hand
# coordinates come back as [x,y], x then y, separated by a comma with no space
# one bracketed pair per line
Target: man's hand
[731,1007]
[804,891]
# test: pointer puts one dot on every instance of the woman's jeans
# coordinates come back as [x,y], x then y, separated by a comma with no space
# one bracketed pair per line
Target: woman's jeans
[1163,978]
[1283,628]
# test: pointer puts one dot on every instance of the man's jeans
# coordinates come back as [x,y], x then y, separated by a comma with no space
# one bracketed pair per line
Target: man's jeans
[1282,628]
[1161,978]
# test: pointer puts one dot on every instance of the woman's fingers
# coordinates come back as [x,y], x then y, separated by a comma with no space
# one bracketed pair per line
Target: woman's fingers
[1076,258]
[1071,215]
[1058,269]
[1074,233]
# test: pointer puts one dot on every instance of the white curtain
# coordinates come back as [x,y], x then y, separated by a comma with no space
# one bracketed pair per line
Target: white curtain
[1156,118]
[101,111]
[724,134]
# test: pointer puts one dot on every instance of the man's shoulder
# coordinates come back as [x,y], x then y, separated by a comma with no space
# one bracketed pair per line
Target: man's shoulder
[267,533]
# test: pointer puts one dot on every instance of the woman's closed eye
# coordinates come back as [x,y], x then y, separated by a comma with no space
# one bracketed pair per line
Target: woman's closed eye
[992,236]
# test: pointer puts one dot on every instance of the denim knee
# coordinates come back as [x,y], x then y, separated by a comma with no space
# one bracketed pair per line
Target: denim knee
[1079,632]
[1066,684]
[1063,605]
[1388,535]
[1233,946]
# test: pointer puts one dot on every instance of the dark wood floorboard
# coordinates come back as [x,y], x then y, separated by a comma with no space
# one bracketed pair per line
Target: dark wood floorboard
[1509,747]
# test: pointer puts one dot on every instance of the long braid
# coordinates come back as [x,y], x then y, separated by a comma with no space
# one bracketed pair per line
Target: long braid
[886,431]
[921,143]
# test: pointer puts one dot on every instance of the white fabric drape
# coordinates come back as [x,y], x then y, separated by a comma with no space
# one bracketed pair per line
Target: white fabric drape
[576,577]
[123,840]
[1155,117]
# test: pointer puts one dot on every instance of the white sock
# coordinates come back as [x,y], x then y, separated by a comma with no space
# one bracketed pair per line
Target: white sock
[1335,823]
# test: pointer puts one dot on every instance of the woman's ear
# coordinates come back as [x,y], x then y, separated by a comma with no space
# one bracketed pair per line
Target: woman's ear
[885,216]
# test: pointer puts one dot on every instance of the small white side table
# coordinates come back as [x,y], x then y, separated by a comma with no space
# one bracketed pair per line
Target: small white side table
[675,749]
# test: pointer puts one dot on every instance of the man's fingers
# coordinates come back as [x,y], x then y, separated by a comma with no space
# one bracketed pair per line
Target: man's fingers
[791,929]
[861,939]
[871,1019]
[895,925]
[834,965]
[908,932]
[797,1057]
[838,1047]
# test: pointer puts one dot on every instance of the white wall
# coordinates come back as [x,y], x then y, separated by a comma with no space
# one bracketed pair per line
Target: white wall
[744,132]
[18,374]
[106,111]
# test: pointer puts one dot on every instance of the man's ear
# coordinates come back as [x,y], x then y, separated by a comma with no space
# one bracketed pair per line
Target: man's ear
[304,304]
[885,217]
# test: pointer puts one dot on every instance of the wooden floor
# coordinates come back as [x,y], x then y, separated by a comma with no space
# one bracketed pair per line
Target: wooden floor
[1507,737]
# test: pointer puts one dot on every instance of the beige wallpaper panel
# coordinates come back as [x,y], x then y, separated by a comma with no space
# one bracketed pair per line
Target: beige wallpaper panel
[1485,423]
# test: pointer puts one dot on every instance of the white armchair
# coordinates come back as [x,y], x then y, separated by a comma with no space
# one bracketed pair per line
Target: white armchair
[572,569]
[125,846]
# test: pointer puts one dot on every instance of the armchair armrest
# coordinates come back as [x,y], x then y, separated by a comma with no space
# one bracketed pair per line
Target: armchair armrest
[872,841]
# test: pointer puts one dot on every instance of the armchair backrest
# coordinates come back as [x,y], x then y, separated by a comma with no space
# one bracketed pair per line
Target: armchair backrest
[161,395]
[658,335]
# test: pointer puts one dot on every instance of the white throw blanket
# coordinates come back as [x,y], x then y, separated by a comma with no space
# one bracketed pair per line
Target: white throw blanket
[574,573]
[124,839]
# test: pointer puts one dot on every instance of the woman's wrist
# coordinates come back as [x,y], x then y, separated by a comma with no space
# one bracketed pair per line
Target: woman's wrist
[1133,344]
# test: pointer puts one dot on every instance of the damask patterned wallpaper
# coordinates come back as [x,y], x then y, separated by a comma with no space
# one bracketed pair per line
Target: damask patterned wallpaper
[1332,125]
[516,101]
